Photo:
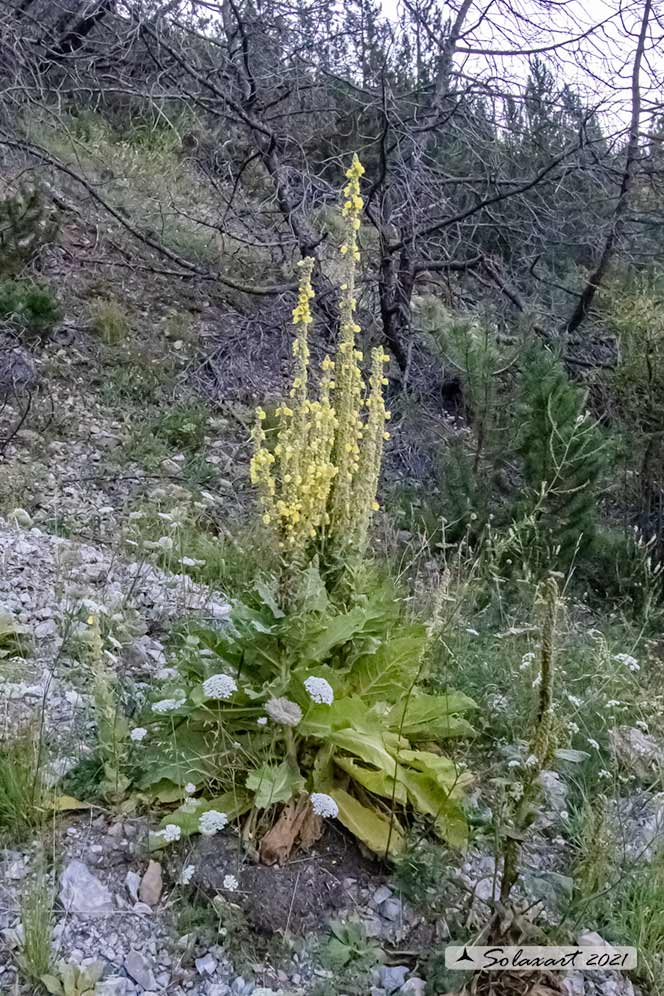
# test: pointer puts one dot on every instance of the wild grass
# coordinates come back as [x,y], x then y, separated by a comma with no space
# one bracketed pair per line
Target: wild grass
[22,791]
[144,174]
[35,957]
[109,321]
[192,543]
[179,430]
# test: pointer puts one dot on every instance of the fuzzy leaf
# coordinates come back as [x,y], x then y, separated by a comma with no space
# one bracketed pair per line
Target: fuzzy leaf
[339,630]
[272,784]
[428,717]
[68,973]
[427,797]
[344,714]
[368,825]
[52,984]
[337,953]
[369,747]
[267,594]
[311,590]
[374,781]
[384,675]
[444,771]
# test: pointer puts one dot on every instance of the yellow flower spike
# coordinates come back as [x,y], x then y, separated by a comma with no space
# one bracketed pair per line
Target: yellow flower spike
[323,472]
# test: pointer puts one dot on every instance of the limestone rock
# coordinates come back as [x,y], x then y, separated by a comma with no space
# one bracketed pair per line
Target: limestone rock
[82,892]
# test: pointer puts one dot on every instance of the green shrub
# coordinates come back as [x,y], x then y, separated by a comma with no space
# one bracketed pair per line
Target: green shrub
[562,457]
[29,306]
[184,427]
[27,224]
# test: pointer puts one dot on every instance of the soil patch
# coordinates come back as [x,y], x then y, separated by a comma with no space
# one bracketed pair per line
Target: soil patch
[299,897]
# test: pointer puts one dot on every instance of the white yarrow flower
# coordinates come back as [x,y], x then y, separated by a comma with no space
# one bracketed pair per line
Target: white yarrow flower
[323,805]
[630,662]
[191,562]
[187,874]
[283,711]
[168,705]
[219,686]
[190,788]
[230,883]
[261,721]
[138,733]
[319,690]
[171,833]
[593,743]
[167,673]
[211,822]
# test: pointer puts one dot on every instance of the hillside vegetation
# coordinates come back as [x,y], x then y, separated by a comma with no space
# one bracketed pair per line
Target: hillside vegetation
[331,492]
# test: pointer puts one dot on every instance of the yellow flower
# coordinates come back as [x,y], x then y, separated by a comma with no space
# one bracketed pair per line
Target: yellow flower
[320,480]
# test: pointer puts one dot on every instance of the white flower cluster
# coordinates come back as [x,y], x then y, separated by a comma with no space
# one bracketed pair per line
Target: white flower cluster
[190,788]
[323,805]
[630,662]
[138,733]
[319,690]
[167,673]
[283,711]
[230,883]
[261,721]
[187,874]
[219,686]
[169,705]
[212,822]
[171,833]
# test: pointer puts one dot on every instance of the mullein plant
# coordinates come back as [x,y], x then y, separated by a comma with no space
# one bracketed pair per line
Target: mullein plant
[318,485]
[527,791]
[317,695]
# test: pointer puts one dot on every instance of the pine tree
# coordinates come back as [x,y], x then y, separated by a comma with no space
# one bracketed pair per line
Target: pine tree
[26,224]
[562,456]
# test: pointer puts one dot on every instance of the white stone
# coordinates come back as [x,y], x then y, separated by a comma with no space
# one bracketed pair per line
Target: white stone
[138,967]
[82,892]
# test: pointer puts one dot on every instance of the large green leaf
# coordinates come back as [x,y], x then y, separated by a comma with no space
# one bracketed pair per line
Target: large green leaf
[431,717]
[274,783]
[187,756]
[385,675]
[345,713]
[373,828]
[444,771]
[427,797]
[368,747]
[374,781]
[311,590]
[338,631]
